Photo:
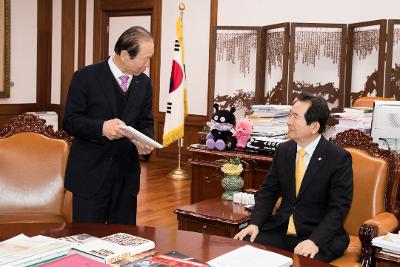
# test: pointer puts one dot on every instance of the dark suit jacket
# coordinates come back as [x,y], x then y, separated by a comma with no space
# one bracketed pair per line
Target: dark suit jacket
[323,201]
[91,101]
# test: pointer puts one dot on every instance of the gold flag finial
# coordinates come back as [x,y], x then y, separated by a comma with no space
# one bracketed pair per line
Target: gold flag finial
[182,7]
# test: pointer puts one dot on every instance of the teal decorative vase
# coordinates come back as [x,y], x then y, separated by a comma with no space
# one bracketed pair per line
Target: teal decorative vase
[231,183]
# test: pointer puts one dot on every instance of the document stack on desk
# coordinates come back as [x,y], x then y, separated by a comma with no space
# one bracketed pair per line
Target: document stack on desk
[269,120]
[354,118]
[389,243]
[22,250]
[249,256]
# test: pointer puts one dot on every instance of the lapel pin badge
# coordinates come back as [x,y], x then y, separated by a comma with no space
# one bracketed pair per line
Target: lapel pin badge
[319,158]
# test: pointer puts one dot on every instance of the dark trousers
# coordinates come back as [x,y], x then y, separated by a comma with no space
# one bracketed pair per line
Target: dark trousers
[278,238]
[114,203]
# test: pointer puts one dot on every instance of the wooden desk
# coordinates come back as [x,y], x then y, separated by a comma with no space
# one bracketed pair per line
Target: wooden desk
[206,176]
[384,260]
[202,247]
[213,216]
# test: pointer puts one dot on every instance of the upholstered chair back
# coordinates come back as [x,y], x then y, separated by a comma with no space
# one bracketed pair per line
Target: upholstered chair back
[370,175]
[32,166]
[375,207]
[368,101]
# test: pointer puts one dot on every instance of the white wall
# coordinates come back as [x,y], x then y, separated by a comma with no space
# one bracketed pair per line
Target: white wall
[56,52]
[196,36]
[262,12]
[23,47]
[196,27]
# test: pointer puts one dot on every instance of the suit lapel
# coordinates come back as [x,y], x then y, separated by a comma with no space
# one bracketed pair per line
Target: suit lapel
[316,163]
[106,80]
[291,159]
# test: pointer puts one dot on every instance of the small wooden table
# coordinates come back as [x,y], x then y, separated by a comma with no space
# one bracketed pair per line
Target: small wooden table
[213,216]
[384,260]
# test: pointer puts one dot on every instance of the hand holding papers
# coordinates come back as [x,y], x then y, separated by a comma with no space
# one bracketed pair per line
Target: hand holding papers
[139,137]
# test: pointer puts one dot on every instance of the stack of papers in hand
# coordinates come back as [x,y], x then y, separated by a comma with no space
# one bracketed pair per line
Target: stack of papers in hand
[389,243]
[22,250]
[248,256]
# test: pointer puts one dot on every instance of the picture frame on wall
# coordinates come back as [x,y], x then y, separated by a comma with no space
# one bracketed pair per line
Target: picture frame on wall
[317,62]
[5,49]
[392,75]
[275,63]
[234,69]
[365,59]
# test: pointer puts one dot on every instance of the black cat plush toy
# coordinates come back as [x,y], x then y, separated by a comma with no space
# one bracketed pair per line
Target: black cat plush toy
[221,124]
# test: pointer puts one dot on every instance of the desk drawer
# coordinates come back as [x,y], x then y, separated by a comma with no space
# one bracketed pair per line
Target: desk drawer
[204,226]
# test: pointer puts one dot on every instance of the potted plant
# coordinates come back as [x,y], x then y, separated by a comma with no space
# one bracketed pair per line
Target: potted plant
[232,182]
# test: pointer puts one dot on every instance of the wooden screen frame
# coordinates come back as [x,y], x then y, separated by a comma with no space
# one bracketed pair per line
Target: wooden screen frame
[265,29]
[211,79]
[5,64]
[389,55]
[343,27]
[381,56]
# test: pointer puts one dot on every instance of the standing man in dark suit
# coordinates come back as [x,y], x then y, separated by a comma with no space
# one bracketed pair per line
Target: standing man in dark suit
[103,169]
[315,180]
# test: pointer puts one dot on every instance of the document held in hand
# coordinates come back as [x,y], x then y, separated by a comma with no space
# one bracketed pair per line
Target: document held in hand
[144,139]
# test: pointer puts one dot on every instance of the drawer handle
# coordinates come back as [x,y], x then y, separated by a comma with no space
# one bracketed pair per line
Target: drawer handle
[203,230]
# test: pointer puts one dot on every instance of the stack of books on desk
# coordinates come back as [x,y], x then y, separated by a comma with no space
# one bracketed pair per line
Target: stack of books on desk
[111,248]
[389,243]
[22,250]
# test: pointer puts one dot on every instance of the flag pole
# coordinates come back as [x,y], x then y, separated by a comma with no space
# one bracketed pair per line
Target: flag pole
[179,173]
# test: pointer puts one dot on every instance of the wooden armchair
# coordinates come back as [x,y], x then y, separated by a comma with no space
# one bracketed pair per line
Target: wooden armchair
[32,164]
[375,207]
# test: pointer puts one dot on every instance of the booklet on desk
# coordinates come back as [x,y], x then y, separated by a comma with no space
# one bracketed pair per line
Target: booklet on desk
[74,260]
[22,250]
[144,139]
[249,256]
[115,247]
[170,259]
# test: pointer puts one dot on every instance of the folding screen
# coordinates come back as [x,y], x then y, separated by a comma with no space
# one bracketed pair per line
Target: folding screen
[235,68]
[276,54]
[365,59]
[317,61]
[392,80]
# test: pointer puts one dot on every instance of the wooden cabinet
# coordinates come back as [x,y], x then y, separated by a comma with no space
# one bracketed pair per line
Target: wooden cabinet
[206,176]
[213,216]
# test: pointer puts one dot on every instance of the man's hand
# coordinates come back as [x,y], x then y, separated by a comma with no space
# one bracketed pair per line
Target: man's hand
[111,129]
[251,230]
[141,148]
[306,248]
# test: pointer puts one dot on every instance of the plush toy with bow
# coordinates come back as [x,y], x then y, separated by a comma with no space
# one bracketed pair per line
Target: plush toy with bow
[221,125]
[242,133]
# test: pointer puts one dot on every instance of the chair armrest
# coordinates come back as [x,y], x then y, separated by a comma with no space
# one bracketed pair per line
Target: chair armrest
[385,221]
[381,224]
[67,209]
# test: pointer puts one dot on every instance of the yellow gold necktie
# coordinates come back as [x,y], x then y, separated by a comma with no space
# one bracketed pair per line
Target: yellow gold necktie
[300,170]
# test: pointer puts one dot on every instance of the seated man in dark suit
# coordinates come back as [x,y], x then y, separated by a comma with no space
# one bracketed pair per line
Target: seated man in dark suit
[315,180]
